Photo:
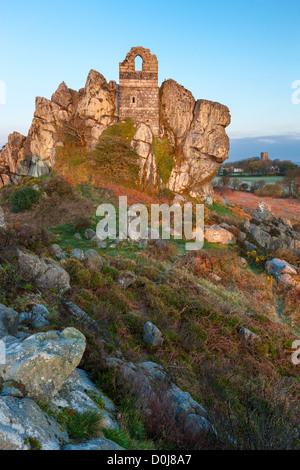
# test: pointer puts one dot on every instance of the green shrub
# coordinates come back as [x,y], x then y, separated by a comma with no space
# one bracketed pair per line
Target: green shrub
[163,158]
[124,130]
[116,160]
[22,199]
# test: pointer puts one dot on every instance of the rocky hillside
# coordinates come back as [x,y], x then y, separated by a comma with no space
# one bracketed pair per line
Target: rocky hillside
[111,344]
[185,158]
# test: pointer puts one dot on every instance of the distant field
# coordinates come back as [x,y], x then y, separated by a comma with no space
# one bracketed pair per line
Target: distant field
[252,179]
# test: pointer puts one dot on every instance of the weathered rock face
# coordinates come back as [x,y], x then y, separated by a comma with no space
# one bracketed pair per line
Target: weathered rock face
[272,233]
[90,110]
[23,424]
[205,147]
[177,106]
[195,132]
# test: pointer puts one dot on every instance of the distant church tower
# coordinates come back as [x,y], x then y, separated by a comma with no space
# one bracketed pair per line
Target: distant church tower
[138,90]
[264,156]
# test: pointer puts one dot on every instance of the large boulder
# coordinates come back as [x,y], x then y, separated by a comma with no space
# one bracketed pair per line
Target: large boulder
[217,234]
[24,426]
[43,362]
[9,321]
[43,272]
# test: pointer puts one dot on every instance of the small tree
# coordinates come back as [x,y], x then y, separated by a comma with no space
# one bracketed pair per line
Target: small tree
[225,180]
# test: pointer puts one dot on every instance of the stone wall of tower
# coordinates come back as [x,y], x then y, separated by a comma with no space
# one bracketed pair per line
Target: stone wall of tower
[138,90]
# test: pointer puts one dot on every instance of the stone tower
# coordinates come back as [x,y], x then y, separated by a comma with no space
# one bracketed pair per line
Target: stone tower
[264,156]
[138,90]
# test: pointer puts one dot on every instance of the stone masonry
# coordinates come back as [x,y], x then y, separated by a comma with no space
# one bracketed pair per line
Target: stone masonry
[138,90]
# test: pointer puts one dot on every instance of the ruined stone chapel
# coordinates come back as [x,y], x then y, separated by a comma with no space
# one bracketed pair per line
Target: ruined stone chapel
[138,89]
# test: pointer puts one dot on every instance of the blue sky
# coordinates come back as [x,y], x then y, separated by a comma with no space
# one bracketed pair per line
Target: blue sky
[244,55]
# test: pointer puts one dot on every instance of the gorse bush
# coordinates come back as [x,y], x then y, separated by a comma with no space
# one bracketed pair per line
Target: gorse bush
[22,199]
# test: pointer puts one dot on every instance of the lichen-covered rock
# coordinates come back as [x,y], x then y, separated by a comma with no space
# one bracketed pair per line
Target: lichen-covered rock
[78,254]
[78,314]
[126,279]
[55,251]
[152,335]
[92,259]
[89,233]
[24,426]
[44,272]
[9,321]
[79,393]
[272,233]
[94,444]
[249,337]
[217,234]
[43,362]
[36,316]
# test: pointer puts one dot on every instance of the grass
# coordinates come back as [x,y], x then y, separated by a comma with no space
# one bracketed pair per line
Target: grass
[79,426]
[164,158]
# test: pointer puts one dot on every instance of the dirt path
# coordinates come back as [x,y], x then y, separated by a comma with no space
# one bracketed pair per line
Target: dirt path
[289,208]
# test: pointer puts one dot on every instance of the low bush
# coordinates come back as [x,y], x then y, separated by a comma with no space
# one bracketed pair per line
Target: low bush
[58,186]
[115,160]
[270,190]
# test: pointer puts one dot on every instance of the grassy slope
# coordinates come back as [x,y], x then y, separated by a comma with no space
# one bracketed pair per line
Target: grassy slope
[199,318]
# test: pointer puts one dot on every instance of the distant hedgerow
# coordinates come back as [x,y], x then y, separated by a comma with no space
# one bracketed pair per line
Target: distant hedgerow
[22,199]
